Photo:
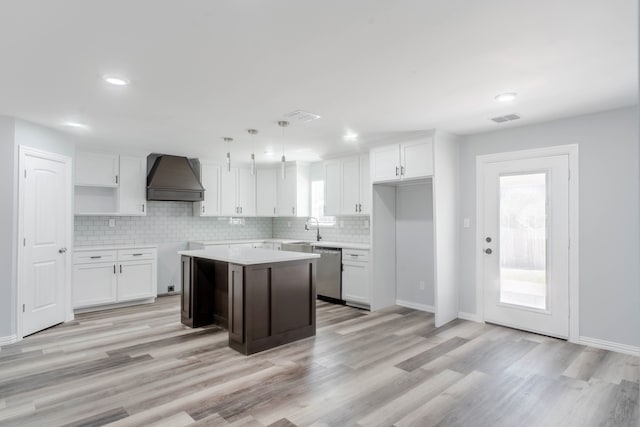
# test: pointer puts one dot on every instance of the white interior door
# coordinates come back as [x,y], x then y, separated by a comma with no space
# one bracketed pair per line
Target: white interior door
[44,212]
[526,244]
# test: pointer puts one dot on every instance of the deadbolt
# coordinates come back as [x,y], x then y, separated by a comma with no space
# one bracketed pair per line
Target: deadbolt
[488,239]
[488,251]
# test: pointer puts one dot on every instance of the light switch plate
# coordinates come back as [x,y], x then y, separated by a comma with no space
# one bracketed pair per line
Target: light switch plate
[466,223]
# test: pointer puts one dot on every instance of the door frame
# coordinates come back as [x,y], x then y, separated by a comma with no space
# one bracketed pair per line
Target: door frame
[25,151]
[571,151]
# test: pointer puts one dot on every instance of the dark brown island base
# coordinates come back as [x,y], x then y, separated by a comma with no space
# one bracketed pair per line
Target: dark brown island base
[264,298]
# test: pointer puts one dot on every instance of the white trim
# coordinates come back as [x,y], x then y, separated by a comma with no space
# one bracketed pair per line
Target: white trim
[610,345]
[9,339]
[94,308]
[416,306]
[470,316]
[68,162]
[574,254]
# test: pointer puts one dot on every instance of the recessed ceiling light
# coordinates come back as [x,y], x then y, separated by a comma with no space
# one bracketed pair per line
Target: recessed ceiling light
[350,136]
[76,125]
[116,81]
[506,97]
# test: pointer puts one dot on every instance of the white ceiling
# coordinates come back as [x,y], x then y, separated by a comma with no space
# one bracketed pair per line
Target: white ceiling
[203,69]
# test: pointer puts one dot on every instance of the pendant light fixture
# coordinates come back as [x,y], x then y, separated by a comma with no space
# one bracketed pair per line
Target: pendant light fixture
[283,124]
[228,140]
[253,156]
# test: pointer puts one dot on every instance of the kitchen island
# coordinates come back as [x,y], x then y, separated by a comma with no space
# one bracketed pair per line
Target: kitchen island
[263,298]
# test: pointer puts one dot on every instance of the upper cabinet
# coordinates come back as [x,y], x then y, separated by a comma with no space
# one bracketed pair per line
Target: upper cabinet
[293,191]
[266,192]
[237,192]
[347,186]
[97,169]
[408,160]
[108,184]
[210,179]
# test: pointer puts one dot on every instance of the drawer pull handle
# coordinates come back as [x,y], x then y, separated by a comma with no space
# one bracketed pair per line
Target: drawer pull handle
[137,254]
[96,257]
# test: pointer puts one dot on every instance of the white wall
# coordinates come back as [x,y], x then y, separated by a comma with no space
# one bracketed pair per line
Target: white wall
[8,229]
[414,244]
[609,214]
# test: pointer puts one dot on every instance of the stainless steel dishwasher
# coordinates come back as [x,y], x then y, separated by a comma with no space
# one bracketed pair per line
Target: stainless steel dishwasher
[329,273]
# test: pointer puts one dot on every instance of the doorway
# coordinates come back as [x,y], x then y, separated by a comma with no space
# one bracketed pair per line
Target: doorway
[526,211]
[45,235]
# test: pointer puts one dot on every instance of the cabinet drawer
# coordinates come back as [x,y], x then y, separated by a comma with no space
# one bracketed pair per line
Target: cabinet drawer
[136,254]
[84,257]
[355,255]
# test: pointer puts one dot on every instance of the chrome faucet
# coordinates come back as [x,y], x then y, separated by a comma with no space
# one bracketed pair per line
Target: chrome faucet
[306,227]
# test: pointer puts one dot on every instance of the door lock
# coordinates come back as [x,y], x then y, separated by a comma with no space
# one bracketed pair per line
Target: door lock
[62,250]
[488,251]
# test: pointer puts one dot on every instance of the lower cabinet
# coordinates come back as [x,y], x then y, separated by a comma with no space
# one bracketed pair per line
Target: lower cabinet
[114,276]
[355,277]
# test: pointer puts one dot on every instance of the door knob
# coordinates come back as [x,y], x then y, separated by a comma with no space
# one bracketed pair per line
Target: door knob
[62,250]
[488,251]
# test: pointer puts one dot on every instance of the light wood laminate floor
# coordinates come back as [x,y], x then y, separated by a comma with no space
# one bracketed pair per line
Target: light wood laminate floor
[140,366]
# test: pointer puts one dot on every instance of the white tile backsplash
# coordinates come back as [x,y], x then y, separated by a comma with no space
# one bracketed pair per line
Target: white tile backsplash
[169,222]
[347,229]
[166,222]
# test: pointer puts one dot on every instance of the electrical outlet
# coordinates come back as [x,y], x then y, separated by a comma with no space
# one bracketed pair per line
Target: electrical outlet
[466,223]
[366,224]
[112,222]
[341,224]
[171,288]
[289,224]
[422,285]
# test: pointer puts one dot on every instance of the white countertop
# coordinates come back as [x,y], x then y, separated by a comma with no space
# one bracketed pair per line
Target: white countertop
[248,256]
[113,247]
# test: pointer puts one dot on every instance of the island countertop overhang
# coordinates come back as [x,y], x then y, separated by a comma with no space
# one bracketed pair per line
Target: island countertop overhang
[248,256]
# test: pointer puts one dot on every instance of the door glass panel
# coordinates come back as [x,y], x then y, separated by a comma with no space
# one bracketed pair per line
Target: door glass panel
[523,240]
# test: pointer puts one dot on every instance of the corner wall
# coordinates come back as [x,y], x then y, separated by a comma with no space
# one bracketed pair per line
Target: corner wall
[609,214]
[8,228]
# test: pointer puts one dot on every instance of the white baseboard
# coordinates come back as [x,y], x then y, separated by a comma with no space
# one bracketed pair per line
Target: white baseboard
[469,316]
[609,345]
[10,339]
[416,306]
[115,305]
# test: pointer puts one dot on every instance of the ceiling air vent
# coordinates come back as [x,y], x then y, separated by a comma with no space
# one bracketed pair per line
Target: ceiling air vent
[507,118]
[302,116]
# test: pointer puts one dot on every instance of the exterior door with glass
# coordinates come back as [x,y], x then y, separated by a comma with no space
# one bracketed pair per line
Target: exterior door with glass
[526,244]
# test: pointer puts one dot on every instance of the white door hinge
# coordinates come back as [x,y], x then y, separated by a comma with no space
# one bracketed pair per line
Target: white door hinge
[24,242]
[25,173]
[23,308]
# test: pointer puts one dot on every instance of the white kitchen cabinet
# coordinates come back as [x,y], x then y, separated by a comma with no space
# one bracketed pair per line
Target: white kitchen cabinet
[94,284]
[397,162]
[356,286]
[109,184]
[246,192]
[102,277]
[266,192]
[210,179]
[332,187]
[237,192]
[347,186]
[293,191]
[96,169]
[132,192]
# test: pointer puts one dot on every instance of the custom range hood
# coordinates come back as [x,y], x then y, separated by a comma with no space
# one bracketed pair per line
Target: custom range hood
[173,178]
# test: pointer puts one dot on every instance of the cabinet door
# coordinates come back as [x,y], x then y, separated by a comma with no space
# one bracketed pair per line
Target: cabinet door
[355,282]
[94,284]
[246,192]
[351,186]
[136,280]
[96,169]
[286,189]
[385,163]
[132,191]
[332,187]
[365,186]
[417,159]
[228,192]
[266,198]
[210,177]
